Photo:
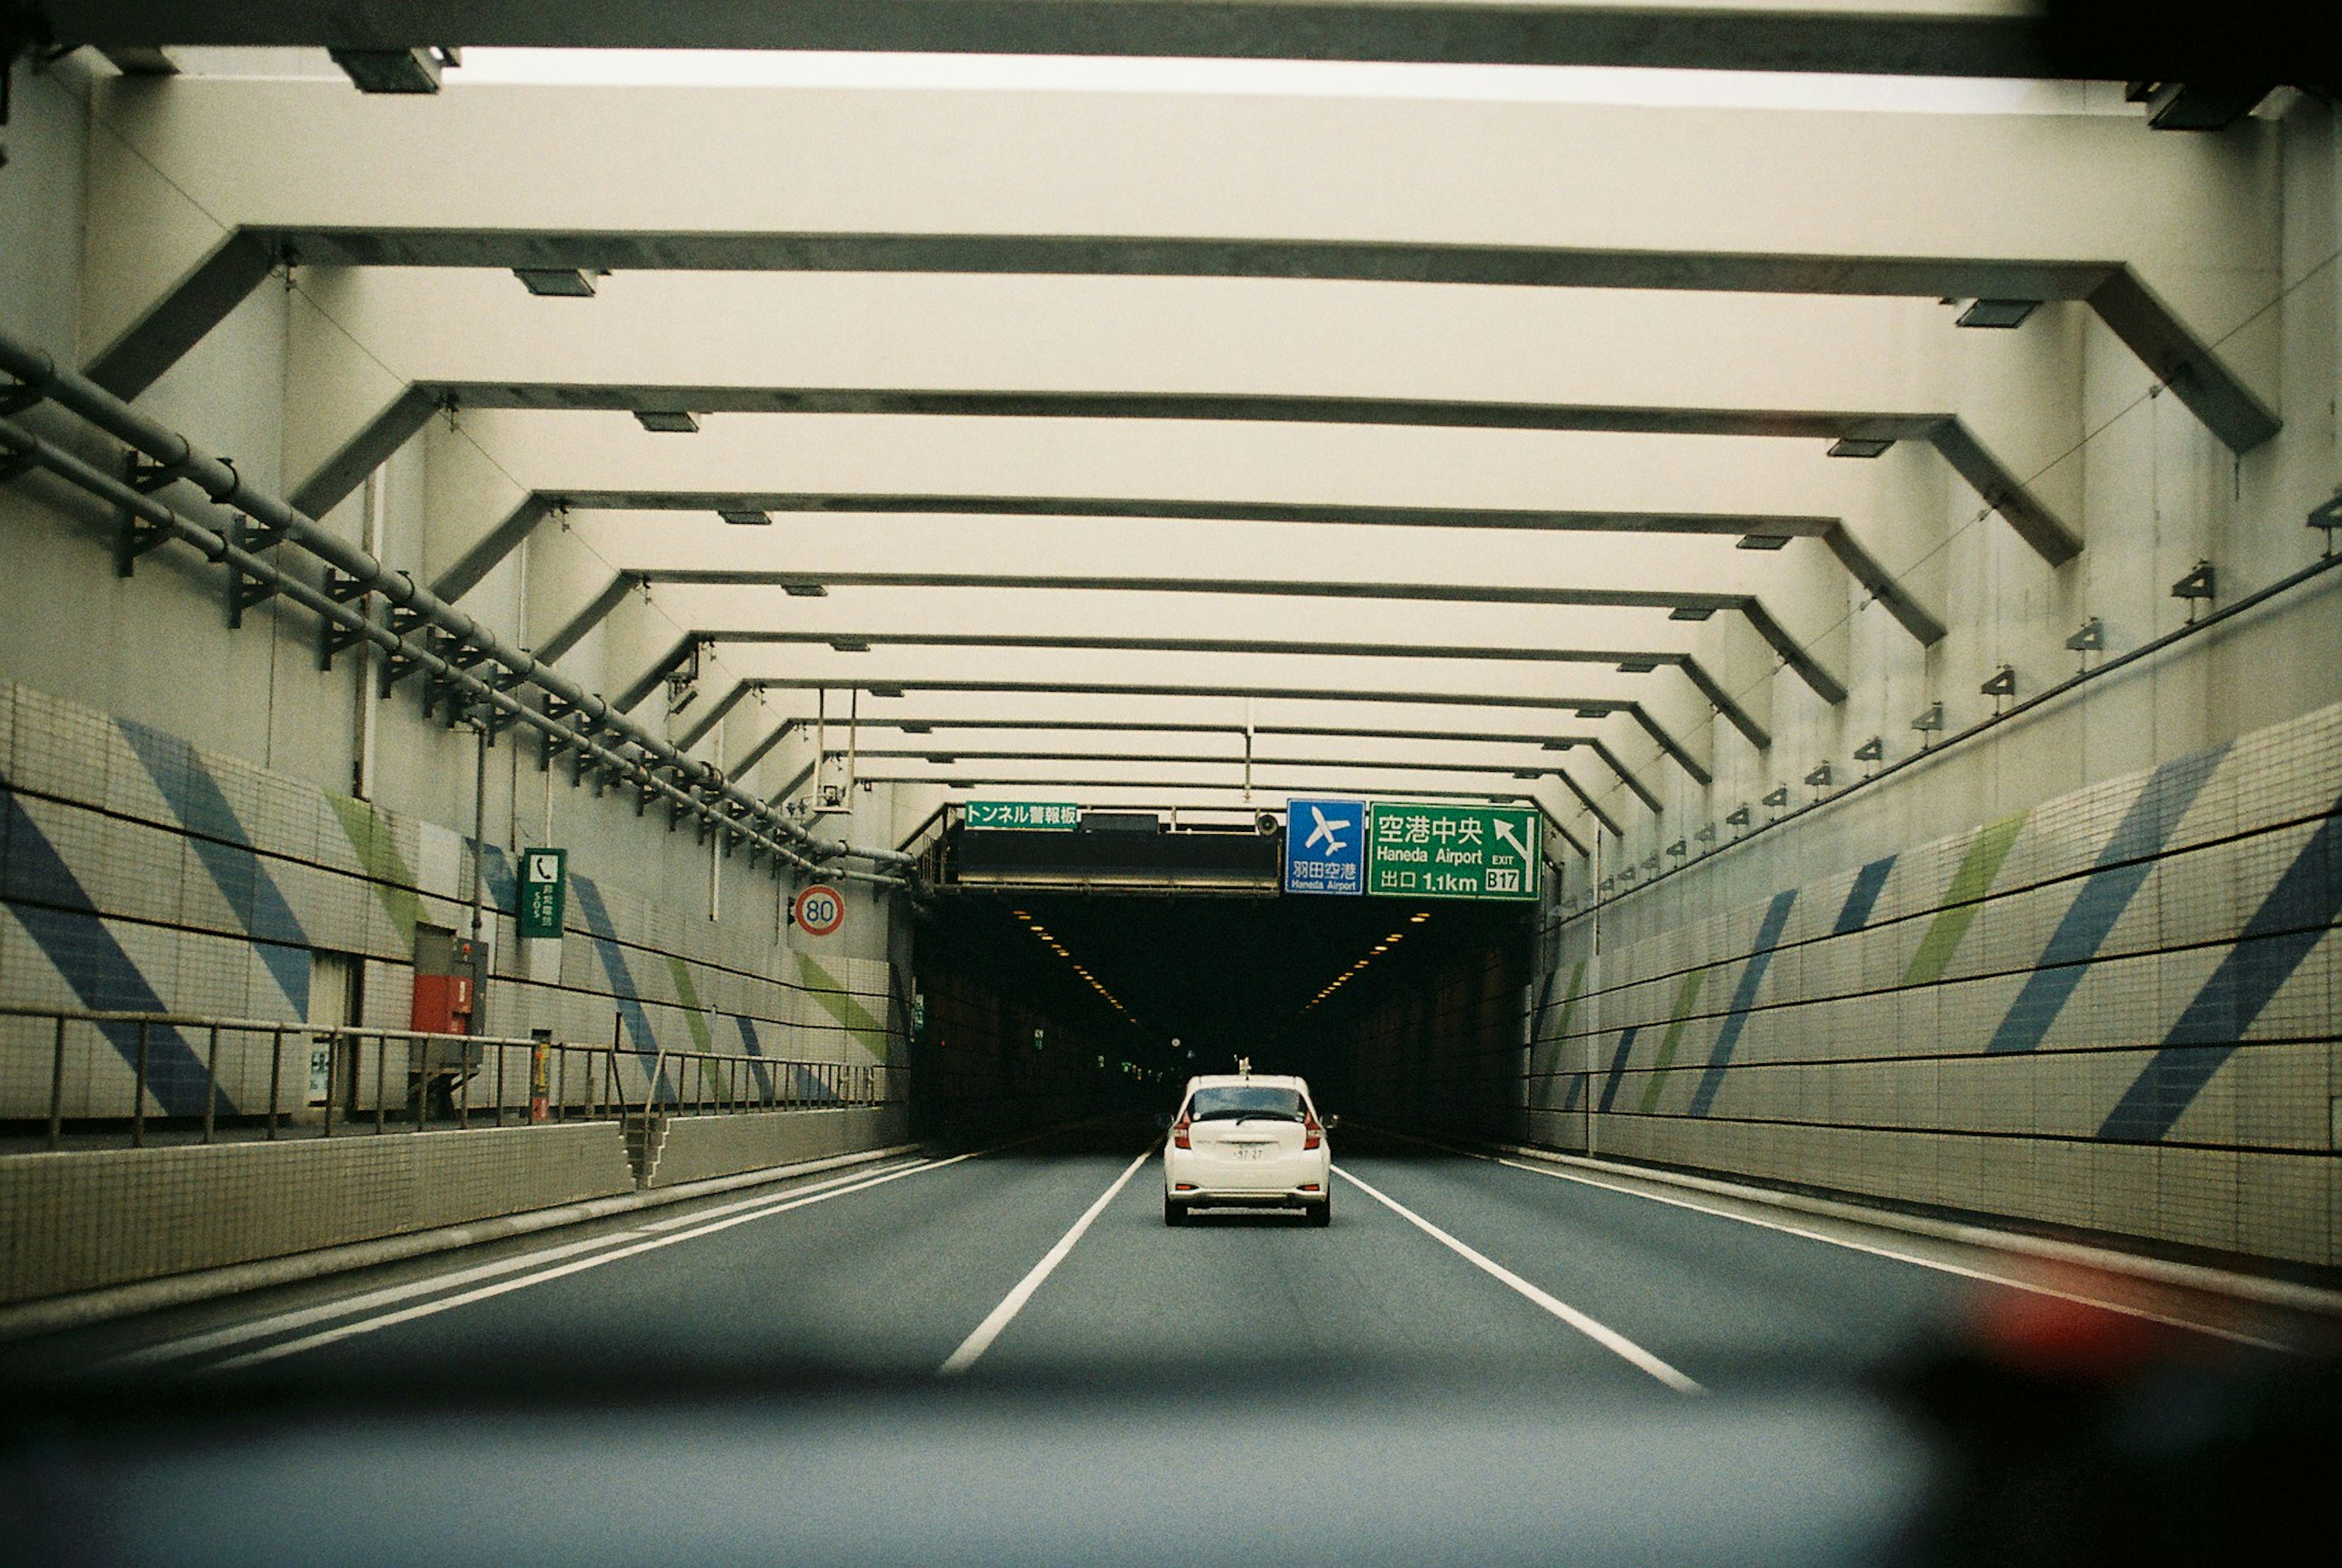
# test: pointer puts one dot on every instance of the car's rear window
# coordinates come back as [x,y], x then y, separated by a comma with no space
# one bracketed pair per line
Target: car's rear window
[1228,1100]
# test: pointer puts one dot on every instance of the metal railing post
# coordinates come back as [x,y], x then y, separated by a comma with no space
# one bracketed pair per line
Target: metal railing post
[500,1085]
[464,1092]
[332,1070]
[381,1081]
[211,1083]
[275,1078]
[57,1085]
[138,1094]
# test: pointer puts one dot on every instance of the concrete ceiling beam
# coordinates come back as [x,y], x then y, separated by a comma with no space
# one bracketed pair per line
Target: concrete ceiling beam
[2002,490]
[2172,250]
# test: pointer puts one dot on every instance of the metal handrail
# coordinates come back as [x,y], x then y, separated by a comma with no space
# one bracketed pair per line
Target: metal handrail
[722,1081]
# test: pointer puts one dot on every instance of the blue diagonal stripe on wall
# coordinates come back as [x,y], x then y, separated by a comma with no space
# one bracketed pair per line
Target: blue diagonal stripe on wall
[2123,868]
[754,1047]
[497,877]
[624,991]
[1618,1065]
[1744,998]
[1861,897]
[2290,921]
[224,845]
[102,977]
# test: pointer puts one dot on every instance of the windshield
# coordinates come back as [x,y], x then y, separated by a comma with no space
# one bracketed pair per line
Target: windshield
[1239,1100]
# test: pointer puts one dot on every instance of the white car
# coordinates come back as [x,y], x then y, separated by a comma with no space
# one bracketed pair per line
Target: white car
[1249,1140]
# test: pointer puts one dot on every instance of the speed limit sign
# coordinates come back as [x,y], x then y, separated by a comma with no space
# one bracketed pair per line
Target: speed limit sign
[819,909]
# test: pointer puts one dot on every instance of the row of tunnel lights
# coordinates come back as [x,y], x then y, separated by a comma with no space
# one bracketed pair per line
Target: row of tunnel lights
[1059,949]
[1385,946]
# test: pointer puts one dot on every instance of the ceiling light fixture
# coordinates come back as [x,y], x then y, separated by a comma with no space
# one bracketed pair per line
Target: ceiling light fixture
[849,645]
[396,70]
[805,589]
[1997,313]
[1859,445]
[667,421]
[1762,542]
[554,282]
[1637,666]
[896,692]
[745,517]
[1691,611]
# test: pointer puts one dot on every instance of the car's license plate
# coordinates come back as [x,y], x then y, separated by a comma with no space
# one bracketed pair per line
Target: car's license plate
[1250,1150]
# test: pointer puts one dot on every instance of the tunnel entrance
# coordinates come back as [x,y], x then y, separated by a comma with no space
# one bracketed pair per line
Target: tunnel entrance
[1036,1006]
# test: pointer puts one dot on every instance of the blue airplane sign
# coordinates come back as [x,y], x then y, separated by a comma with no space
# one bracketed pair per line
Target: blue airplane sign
[1325,846]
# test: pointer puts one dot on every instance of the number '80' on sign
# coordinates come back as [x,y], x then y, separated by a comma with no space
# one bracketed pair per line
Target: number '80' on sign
[819,909]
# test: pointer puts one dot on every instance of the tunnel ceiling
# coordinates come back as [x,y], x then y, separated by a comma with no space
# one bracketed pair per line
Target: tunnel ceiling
[1552,439]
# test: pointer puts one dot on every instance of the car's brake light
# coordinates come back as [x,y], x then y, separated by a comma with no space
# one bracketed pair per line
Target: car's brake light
[1179,1134]
[1312,1134]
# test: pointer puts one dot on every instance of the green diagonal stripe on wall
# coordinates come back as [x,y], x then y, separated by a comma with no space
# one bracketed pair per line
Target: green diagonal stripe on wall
[867,1030]
[1966,896]
[1542,1050]
[394,883]
[688,995]
[1687,997]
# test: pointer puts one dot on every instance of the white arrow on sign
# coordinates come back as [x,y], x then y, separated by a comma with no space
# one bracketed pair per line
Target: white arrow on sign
[1505,831]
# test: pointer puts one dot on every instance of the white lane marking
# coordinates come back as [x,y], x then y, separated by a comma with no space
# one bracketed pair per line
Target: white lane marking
[1986,1275]
[976,1344]
[1600,1334]
[447,1304]
[285,1323]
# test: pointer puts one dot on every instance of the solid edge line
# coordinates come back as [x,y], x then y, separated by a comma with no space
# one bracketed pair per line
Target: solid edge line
[1916,1260]
[1600,1334]
[110,1301]
[781,1206]
[239,1332]
[2106,1260]
[976,1344]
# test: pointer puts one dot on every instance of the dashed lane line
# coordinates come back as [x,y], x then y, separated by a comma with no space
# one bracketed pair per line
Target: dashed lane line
[1600,1334]
[1001,1316]
[285,1323]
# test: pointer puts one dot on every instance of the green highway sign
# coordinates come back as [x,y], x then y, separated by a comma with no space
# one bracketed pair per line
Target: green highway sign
[1059,816]
[1451,850]
[544,893]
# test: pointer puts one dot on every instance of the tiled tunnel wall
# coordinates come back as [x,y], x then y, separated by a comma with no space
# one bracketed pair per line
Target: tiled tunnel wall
[140,873]
[1446,1049]
[2113,1012]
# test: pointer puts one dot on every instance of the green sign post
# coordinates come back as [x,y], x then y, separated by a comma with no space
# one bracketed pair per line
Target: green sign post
[544,893]
[1451,850]
[1058,815]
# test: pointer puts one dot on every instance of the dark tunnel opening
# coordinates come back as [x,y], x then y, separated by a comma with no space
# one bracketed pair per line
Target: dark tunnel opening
[1042,1007]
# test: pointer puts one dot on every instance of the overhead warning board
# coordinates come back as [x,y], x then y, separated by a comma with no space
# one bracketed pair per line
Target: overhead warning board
[1061,816]
[1451,850]
[1325,846]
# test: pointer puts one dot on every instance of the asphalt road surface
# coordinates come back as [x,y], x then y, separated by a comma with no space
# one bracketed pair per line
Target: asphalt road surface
[1049,1259]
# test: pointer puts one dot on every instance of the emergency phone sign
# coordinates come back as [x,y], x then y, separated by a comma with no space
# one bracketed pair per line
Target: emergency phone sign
[819,909]
[543,892]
